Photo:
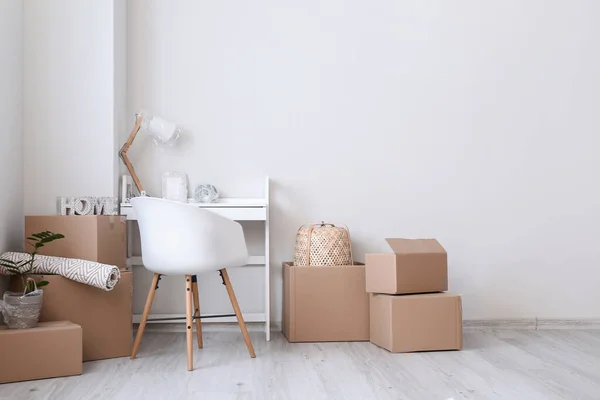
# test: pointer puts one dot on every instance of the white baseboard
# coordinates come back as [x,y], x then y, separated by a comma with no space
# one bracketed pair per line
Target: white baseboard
[533,323]
[515,323]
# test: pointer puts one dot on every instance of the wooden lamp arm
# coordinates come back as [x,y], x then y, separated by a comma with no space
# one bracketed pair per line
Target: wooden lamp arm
[125,148]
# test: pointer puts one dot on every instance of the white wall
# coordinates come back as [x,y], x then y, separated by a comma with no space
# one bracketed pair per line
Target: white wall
[11,133]
[472,122]
[72,94]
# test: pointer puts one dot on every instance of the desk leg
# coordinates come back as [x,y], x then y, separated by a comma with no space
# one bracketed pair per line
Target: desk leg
[267,276]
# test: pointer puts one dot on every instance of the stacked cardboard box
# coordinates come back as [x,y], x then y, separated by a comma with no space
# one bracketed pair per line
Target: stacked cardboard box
[49,350]
[325,304]
[409,309]
[78,322]
[105,317]
[100,238]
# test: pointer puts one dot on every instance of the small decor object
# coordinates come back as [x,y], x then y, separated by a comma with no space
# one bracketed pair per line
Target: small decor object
[162,132]
[88,206]
[22,310]
[126,189]
[322,244]
[174,186]
[206,194]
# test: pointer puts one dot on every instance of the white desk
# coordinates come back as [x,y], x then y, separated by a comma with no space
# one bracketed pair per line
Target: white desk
[238,209]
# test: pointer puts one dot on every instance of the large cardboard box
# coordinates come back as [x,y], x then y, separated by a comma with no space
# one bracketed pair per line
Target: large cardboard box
[325,304]
[418,322]
[415,266]
[100,238]
[106,317]
[50,350]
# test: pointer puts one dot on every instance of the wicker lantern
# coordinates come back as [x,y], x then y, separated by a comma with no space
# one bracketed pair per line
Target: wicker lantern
[322,244]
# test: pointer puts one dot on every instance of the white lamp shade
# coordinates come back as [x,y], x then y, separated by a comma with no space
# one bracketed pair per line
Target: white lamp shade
[163,131]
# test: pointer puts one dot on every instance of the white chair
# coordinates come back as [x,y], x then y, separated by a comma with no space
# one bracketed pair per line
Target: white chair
[180,239]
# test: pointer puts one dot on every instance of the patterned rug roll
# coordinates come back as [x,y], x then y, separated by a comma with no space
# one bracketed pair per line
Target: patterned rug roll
[91,273]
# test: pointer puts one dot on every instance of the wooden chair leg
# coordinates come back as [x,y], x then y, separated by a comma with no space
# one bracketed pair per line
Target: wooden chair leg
[188,322]
[238,313]
[147,307]
[196,295]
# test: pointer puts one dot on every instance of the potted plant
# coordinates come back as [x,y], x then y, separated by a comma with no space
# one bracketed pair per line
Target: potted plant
[22,309]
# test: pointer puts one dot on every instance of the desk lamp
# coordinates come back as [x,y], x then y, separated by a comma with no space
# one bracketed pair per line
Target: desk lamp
[162,131]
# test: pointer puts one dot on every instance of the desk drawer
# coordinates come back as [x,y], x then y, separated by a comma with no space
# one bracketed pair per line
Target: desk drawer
[241,214]
[234,213]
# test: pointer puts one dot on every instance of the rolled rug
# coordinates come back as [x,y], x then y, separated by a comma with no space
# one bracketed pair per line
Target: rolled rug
[102,276]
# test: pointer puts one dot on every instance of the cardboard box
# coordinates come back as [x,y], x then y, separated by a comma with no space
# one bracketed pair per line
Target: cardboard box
[100,238]
[418,322]
[416,266]
[50,350]
[106,317]
[325,304]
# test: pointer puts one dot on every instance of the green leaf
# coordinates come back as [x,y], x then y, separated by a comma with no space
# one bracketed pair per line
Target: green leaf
[29,287]
[38,240]
[9,266]
[42,283]
[50,237]
[6,265]
[26,266]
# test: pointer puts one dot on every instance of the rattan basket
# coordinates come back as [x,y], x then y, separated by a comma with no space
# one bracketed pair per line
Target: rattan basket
[322,245]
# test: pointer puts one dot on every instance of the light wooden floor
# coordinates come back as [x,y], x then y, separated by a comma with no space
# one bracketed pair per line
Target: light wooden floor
[496,364]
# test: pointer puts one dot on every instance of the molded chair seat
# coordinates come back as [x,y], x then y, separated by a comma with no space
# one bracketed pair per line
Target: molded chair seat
[180,239]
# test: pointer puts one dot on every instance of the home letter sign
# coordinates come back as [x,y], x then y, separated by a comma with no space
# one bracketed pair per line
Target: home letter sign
[87,206]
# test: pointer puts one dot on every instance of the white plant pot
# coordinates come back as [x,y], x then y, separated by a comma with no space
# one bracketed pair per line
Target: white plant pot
[22,311]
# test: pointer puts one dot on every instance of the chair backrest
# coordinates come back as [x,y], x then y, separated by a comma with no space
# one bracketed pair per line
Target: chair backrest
[182,239]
